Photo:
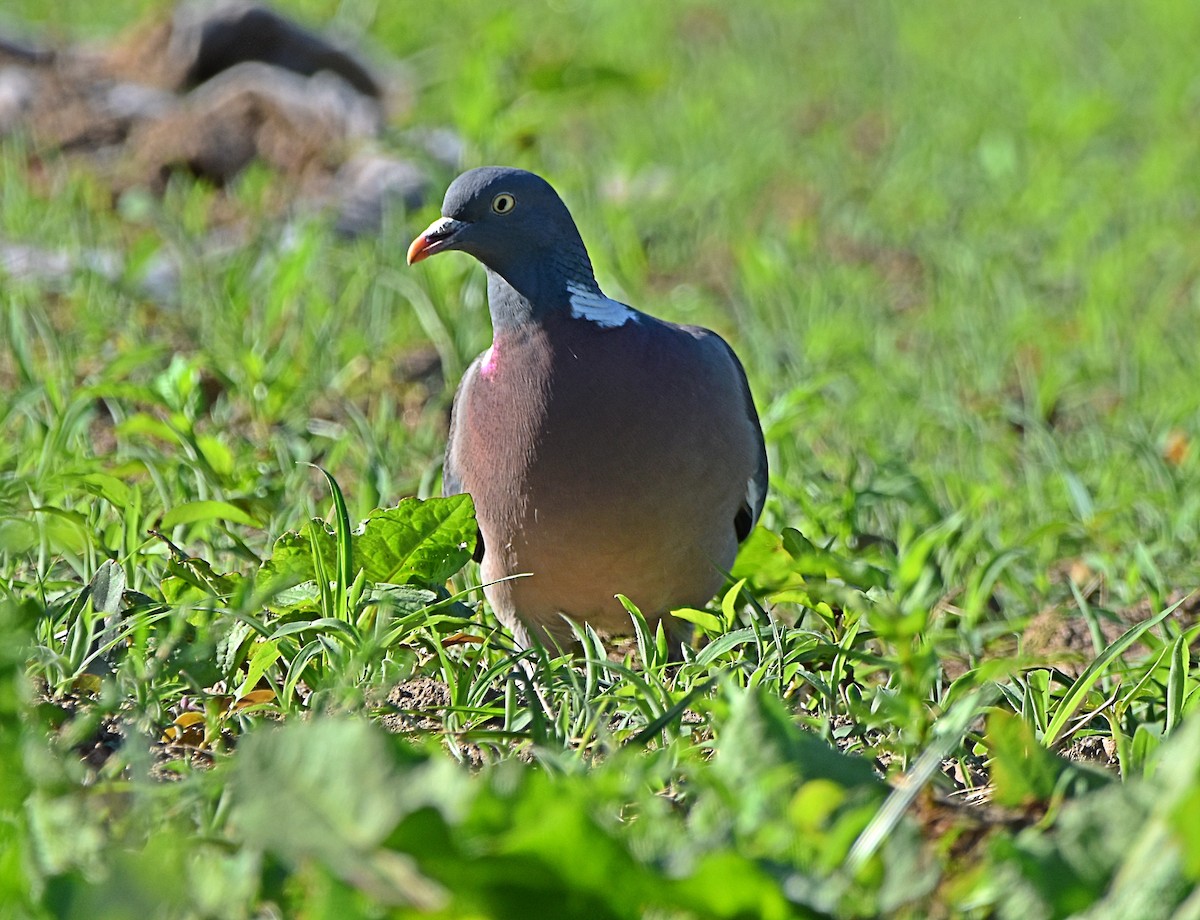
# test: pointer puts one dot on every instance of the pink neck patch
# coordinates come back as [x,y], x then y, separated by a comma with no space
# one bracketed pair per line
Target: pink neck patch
[491,359]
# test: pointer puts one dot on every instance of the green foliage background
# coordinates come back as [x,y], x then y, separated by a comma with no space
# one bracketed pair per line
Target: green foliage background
[957,247]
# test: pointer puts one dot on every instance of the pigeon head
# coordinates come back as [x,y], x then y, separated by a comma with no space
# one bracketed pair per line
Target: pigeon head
[516,225]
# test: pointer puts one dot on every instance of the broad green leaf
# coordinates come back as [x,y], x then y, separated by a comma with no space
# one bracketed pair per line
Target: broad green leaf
[193,579]
[217,454]
[708,622]
[764,561]
[759,735]
[1177,681]
[729,602]
[110,488]
[1125,850]
[292,554]
[108,588]
[813,560]
[1025,772]
[17,535]
[191,512]
[555,830]
[418,541]
[330,790]
[771,563]
[265,654]
[1022,771]
[141,424]
[1142,748]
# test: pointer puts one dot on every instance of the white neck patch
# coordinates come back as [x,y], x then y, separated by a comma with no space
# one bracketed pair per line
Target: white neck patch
[590,304]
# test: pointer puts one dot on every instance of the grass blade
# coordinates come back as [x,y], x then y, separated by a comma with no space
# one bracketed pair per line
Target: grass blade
[1083,685]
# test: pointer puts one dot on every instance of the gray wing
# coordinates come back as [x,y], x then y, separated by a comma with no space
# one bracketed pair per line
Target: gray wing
[451,479]
[756,485]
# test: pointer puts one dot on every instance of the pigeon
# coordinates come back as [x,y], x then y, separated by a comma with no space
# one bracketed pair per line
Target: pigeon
[607,452]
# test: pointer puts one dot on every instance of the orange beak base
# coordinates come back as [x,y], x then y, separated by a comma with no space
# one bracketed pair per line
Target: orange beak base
[419,249]
[437,236]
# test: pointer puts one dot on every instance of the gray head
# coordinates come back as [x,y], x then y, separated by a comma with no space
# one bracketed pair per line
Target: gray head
[516,225]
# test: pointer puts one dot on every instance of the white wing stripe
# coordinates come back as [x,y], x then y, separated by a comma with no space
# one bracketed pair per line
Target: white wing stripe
[593,306]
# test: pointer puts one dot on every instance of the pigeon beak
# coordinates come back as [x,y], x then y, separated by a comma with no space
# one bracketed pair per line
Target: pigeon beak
[439,236]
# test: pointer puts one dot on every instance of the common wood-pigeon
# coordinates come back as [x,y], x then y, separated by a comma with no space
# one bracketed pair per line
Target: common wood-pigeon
[607,451]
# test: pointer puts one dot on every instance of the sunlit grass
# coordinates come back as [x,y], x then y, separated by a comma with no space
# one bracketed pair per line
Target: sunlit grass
[956,249]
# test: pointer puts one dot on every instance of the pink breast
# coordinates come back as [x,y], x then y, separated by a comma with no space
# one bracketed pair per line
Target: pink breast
[491,359]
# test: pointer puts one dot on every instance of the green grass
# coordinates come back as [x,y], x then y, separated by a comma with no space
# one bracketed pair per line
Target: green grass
[956,248]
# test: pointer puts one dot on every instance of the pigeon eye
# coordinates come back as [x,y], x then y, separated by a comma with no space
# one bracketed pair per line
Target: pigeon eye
[503,203]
